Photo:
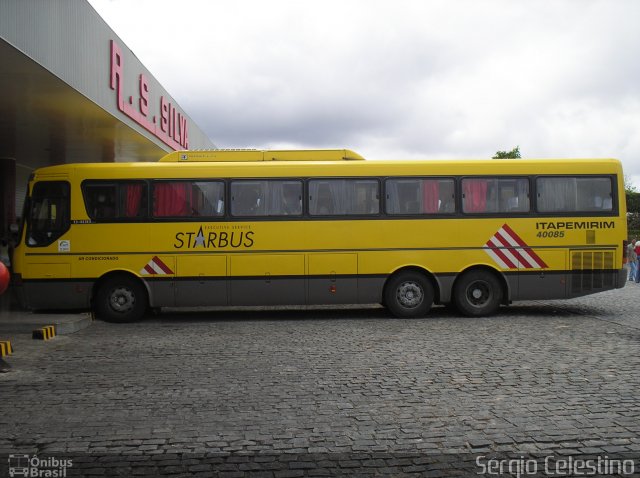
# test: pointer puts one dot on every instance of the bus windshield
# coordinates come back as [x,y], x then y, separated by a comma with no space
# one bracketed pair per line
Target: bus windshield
[49,213]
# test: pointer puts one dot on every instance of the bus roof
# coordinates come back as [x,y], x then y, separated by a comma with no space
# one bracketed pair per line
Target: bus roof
[291,168]
[251,155]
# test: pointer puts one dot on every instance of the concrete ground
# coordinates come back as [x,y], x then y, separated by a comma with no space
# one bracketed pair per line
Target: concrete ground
[17,324]
[335,392]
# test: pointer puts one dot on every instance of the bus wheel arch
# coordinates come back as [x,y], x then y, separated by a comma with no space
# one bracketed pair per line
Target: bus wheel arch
[479,291]
[120,296]
[410,292]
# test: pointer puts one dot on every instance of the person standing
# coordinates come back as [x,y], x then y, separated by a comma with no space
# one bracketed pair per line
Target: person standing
[637,251]
[632,259]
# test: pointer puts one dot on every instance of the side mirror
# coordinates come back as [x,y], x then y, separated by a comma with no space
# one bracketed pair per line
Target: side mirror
[14,231]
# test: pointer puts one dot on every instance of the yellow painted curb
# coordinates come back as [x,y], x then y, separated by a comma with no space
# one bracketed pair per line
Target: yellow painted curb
[45,333]
[5,348]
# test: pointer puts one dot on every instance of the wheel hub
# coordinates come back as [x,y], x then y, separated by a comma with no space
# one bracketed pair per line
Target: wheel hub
[479,293]
[122,300]
[410,294]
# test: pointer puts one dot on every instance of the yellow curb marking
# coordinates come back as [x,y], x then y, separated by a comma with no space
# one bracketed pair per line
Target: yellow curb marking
[45,333]
[5,348]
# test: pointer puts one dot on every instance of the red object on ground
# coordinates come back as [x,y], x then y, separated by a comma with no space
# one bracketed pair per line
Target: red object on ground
[4,277]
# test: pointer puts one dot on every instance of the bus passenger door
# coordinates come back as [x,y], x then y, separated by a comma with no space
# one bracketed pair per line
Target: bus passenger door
[267,279]
[201,280]
[333,278]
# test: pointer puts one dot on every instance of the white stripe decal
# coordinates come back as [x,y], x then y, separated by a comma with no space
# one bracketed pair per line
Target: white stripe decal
[495,257]
[527,260]
[155,267]
[512,248]
[505,251]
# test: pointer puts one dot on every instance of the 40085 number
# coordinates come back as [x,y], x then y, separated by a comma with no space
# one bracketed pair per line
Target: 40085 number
[554,234]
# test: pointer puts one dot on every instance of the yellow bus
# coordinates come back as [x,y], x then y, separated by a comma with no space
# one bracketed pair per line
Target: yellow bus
[243,227]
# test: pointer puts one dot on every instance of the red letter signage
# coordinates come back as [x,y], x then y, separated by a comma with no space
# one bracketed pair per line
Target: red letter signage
[144,95]
[116,73]
[169,126]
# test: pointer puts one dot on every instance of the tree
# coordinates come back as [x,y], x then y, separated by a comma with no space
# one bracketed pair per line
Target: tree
[633,213]
[628,185]
[633,207]
[513,154]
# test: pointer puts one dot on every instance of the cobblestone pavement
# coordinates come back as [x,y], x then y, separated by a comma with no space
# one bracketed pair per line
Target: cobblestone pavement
[327,392]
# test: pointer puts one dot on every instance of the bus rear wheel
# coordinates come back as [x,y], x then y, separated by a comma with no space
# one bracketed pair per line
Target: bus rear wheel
[121,299]
[409,294]
[477,293]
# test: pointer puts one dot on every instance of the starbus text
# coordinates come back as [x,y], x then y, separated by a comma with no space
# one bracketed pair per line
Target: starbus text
[213,240]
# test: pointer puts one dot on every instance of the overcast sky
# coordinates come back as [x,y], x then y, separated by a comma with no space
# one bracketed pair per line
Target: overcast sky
[395,79]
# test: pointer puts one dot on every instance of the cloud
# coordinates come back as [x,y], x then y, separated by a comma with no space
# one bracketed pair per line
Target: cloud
[400,79]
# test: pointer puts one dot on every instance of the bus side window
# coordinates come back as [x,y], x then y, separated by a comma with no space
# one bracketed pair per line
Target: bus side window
[594,194]
[412,196]
[133,200]
[105,206]
[100,200]
[114,201]
[320,200]
[366,197]
[325,201]
[556,194]
[574,194]
[246,198]
[514,195]
[447,196]
[268,198]
[495,195]
[344,197]
[207,198]
[172,199]
[291,197]
[474,195]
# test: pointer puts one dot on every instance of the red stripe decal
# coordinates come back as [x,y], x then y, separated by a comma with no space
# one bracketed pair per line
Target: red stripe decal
[530,251]
[161,265]
[149,269]
[497,251]
[514,251]
[514,236]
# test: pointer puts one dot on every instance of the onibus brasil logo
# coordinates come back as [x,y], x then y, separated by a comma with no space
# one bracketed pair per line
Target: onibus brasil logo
[35,467]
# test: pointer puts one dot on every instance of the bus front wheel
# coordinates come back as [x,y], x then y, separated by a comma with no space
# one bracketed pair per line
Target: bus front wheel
[121,299]
[477,293]
[409,294]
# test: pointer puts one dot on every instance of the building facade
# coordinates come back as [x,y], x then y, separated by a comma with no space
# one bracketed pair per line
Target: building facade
[72,91]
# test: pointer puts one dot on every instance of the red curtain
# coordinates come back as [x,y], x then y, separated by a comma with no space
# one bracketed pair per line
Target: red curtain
[430,196]
[475,195]
[134,195]
[171,199]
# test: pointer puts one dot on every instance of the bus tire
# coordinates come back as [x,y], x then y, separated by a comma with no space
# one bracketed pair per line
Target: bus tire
[477,293]
[121,299]
[409,294]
